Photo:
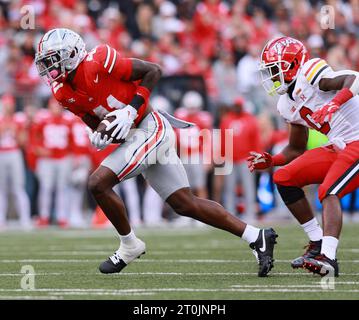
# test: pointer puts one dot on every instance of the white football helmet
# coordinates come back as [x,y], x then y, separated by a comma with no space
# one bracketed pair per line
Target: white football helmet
[59,52]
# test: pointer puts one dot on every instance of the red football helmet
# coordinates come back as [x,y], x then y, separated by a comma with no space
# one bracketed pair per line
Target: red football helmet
[281,60]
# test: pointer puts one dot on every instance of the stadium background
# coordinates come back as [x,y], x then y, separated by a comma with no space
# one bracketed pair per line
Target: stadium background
[211,46]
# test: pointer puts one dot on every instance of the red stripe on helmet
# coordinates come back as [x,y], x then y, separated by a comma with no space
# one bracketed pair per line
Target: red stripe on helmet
[40,42]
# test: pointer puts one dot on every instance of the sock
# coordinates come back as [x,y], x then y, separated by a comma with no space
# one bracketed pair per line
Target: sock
[329,247]
[313,230]
[250,234]
[129,240]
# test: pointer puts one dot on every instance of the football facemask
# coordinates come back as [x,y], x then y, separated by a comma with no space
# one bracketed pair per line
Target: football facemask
[59,52]
[51,66]
[272,75]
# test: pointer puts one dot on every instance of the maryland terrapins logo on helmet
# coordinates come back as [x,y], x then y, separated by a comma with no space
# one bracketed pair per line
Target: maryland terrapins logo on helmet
[281,60]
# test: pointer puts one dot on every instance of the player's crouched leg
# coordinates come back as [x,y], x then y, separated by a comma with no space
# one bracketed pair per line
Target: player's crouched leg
[289,191]
[97,184]
[294,198]
[185,203]
[261,241]
[100,185]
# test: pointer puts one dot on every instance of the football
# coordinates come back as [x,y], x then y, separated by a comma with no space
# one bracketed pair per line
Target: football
[102,129]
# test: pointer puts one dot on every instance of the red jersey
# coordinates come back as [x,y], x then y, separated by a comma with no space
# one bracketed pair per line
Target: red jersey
[209,19]
[101,84]
[10,129]
[80,142]
[31,124]
[246,135]
[202,120]
[53,134]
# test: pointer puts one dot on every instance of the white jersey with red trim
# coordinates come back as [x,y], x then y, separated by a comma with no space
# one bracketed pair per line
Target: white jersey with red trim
[308,98]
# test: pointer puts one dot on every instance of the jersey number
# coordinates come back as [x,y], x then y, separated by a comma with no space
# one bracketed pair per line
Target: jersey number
[56,136]
[79,135]
[306,115]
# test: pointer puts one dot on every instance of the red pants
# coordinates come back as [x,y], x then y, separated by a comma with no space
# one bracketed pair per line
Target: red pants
[337,171]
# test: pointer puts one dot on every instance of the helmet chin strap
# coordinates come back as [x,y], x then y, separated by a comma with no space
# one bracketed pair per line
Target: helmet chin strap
[282,89]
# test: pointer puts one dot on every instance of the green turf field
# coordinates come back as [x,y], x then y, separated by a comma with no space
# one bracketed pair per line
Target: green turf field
[179,264]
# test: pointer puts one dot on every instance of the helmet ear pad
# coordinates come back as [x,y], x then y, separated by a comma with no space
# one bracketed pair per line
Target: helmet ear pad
[292,70]
[68,66]
[294,64]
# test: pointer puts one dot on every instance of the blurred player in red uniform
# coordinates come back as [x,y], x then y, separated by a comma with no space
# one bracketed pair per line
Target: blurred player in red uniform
[12,169]
[100,84]
[31,114]
[194,141]
[246,137]
[53,134]
[81,166]
[313,96]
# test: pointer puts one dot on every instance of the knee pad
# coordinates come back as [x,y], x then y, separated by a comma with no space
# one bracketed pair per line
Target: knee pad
[290,194]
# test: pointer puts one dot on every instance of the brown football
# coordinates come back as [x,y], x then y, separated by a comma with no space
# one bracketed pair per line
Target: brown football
[102,129]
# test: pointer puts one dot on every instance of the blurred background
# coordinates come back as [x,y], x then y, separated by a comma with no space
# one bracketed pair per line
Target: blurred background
[209,53]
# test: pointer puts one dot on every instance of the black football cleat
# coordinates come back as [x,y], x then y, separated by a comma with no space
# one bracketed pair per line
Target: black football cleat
[263,250]
[115,263]
[322,265]
[312,250]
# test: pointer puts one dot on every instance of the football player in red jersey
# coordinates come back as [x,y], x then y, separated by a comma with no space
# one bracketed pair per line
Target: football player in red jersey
[81,166]
[100,84]
[195,142]
[53,149]
[12,169]
[313,96]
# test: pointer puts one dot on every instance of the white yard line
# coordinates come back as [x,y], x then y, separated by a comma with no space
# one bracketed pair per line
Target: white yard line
[148,261]
[78,291]
[287,286]
[106,249]
[97,253]
[125,274]
[80,252]
[21,297]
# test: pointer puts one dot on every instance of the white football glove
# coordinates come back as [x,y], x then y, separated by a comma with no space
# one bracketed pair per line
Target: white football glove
[96,140]
[123,122]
